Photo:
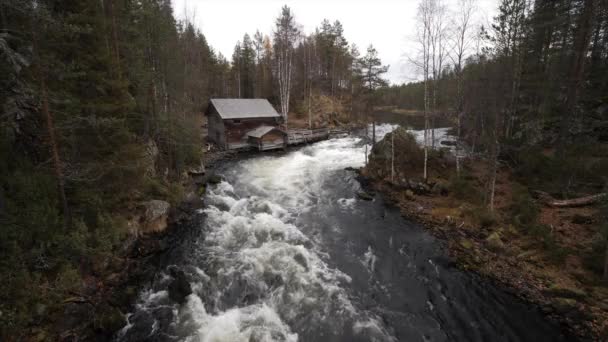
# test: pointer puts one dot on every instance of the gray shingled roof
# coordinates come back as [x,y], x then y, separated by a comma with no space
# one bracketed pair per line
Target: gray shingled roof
[244,108]
[260,131]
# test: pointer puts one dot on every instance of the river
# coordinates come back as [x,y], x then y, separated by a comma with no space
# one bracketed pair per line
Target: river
[284,251]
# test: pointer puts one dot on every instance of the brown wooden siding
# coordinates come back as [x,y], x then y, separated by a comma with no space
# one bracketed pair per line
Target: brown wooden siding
[215,129]
[236,130]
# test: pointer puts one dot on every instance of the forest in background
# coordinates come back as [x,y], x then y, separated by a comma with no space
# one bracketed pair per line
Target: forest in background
[528,96]
[530,90]
[523,195]
[102,105]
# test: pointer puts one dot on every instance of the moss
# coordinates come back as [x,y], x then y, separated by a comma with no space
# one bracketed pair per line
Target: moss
[466,244]
[494,242]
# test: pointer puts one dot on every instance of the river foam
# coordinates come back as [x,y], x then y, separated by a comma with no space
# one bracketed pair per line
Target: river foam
[256,276]
[286,252]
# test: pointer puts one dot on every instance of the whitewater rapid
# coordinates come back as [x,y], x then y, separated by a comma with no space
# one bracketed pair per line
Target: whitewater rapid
[284,251]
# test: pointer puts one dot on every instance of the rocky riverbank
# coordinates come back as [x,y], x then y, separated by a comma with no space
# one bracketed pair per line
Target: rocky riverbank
[542,269]
[487,254]
[111,285]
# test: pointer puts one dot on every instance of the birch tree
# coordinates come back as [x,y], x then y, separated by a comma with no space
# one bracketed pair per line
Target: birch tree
[462,41]
[426,10]
[438,51]
[286,35]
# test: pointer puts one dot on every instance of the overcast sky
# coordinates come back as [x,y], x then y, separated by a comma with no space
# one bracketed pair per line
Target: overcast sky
[387,24]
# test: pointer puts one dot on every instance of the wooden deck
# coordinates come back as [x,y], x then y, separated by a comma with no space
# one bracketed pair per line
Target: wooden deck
[303,136]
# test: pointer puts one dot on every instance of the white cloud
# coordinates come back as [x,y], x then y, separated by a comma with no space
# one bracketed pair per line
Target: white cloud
[387,24]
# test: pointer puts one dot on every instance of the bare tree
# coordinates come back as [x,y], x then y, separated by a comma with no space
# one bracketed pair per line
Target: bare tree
[309,49]
[426,10]
[438,51]
[461,40]
[285,38]
[393,156]
[258,45]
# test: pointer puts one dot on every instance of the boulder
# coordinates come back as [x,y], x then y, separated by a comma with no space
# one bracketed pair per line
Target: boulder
[301,259]
[440,188]
[409,194]
[179,288]
[155,216]
[214,179]
[494,242]
[419,188]
[197,173]
[563,305]
[365,196]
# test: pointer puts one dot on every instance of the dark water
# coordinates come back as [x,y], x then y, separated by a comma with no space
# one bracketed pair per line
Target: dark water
[286,252]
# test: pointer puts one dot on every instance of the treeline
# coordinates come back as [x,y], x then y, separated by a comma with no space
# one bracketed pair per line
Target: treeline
[101,107]
[297,71]
[102,104]
[537,78]
[528,95]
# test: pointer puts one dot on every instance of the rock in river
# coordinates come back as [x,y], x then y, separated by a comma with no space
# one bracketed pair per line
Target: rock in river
[179,288]
[365,196]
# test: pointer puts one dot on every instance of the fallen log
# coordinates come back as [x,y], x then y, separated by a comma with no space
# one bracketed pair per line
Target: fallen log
[575,202]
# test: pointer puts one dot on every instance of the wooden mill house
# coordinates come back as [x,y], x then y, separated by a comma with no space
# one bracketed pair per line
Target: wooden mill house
[242,123]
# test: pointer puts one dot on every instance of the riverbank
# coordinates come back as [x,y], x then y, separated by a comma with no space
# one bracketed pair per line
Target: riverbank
[541,260]
[106,287]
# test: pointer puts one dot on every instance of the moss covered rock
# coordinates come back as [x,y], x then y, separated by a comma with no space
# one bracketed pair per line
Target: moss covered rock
[494,242]
[365,196]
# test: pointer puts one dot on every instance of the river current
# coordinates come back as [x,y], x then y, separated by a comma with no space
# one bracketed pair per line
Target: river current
[285,251]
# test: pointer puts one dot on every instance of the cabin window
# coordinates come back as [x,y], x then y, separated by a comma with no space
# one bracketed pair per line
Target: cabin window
[236,121]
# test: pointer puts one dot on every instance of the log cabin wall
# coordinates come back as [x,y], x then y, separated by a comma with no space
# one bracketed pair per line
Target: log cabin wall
[236,129]
[215,128]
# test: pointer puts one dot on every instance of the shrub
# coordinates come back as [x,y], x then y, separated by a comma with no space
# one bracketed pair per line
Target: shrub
[463,188]
[524,210]
[597,256]
[481,216]
[595,259]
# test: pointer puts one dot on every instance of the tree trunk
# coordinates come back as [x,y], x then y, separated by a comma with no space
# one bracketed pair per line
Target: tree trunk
[373,133]
[50,126]
[55,155]
[606,264]
[575,202]
[581,45]
[393,156]
[457,147]
[493,181]
[115,40]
